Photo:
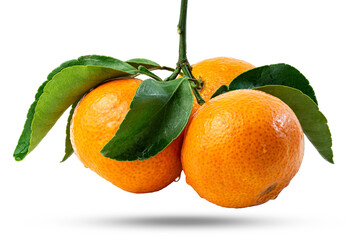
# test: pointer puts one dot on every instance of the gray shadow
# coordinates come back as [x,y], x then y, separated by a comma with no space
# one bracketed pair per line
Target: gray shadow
[173,221]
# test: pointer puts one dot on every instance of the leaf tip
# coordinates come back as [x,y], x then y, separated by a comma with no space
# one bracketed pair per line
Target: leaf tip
[65,158]
[222,89]
[330,160]
[19,153]
[18,157]
[104,151]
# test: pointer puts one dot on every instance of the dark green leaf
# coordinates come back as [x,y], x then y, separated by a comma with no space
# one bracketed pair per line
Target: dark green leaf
[222,89]
[158,114]
[276,74]
[64,86]
[313,122]
[68,146]
[136,62]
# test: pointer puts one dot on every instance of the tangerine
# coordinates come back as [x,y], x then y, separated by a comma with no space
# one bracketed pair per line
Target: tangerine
[215,72]
[95,121]
[242,148]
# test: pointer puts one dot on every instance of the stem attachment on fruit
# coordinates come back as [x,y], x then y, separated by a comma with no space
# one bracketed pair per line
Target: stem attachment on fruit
[199,99]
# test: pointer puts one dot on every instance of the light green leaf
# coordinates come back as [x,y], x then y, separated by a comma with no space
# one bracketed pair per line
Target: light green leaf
[65,85]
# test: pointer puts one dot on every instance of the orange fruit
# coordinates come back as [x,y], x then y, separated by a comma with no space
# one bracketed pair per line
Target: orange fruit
[242,148]
[215,72]
[95,121]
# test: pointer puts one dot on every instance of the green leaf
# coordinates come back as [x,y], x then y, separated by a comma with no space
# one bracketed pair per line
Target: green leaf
[222,89]
[313,122]
[276,74]
[68,146]
[158,114]
[136,62]
[63,87]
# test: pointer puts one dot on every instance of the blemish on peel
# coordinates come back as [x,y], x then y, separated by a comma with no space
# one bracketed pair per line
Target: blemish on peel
[268,190]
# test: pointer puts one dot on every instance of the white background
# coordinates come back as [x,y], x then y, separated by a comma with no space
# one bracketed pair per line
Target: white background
[41,198]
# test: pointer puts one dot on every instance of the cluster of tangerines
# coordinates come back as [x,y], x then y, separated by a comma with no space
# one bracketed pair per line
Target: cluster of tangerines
[239,149]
